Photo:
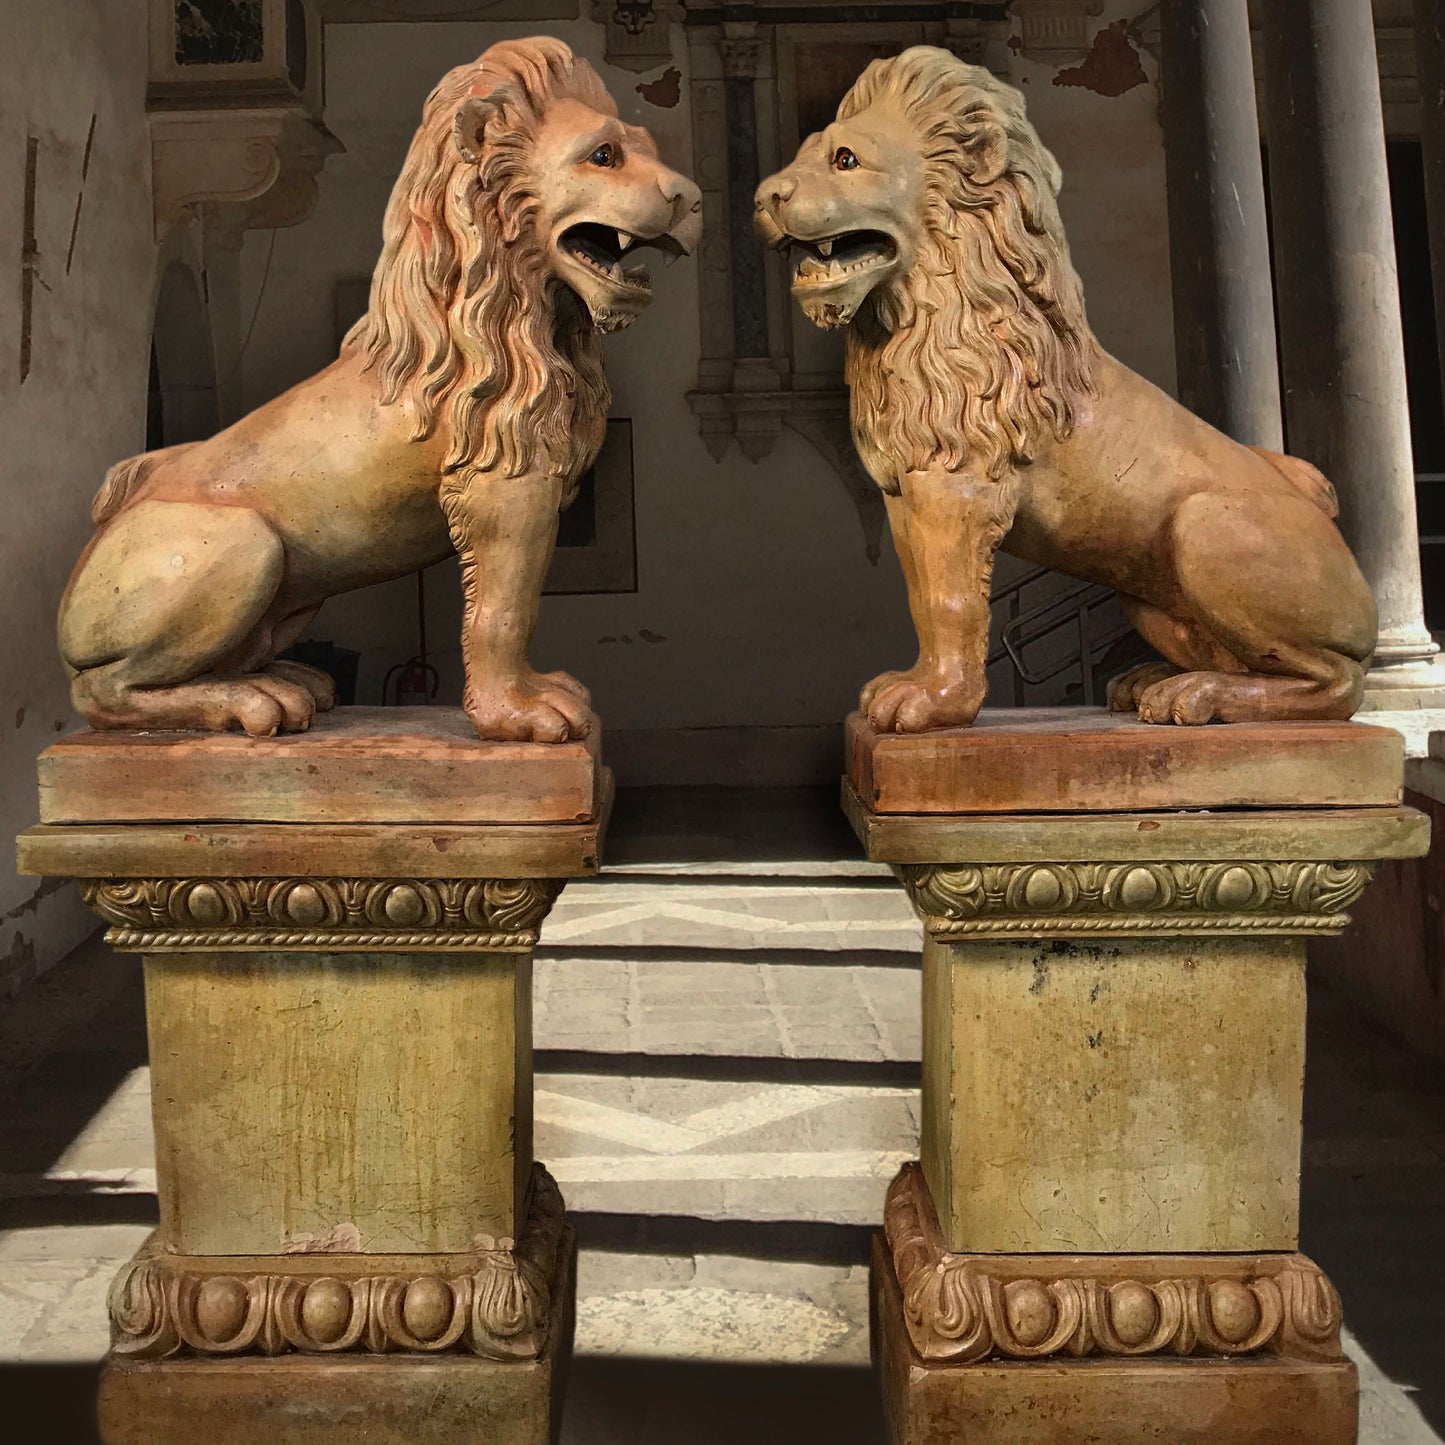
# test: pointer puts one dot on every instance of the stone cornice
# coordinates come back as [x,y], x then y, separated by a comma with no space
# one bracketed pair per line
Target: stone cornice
[258,163]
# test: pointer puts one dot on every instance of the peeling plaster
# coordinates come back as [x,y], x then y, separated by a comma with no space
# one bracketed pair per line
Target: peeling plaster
[1112,65]
[665,91]
[18,961]
[43,889]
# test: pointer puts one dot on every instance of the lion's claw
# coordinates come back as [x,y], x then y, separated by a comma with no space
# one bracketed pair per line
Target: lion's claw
[1126,689]
[1189,699]
[884,679]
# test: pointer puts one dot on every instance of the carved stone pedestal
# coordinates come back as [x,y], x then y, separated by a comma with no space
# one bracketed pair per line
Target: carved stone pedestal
[1100,1241]
[354,1239]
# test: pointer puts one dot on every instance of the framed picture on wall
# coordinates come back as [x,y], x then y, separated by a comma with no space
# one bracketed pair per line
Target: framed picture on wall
[597,535]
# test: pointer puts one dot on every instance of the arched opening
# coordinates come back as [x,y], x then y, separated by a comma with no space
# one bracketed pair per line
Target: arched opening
[181,404]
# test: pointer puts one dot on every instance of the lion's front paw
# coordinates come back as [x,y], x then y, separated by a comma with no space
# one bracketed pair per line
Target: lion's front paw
[911,704]
[884,679]
[566,682]
[537,709]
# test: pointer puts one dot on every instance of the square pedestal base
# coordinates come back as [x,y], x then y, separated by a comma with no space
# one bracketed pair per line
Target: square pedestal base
[1264,1400]
[396,1399]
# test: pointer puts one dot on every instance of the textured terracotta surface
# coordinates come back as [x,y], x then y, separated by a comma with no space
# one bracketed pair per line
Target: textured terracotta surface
[309,1400]
[1261,1401]
[354,765]
[1076,760]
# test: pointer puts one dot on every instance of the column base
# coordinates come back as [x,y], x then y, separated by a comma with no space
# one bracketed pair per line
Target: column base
[1405,685]
[1197,1401]
[389,1399]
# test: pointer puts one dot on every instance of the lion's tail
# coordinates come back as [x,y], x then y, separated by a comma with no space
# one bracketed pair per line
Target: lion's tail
[1308,480]
[124,477]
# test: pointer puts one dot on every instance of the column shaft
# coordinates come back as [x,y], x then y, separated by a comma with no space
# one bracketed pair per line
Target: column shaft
[1218,243]
[1339,303]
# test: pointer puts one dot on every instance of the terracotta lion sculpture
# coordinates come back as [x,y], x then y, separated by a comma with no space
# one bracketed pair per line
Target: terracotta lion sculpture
[924,219]
[462,411]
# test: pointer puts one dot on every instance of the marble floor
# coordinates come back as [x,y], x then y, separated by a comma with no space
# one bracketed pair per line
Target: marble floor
[727,1063]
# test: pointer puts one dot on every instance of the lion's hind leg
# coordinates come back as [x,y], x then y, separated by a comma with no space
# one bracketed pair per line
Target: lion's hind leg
[1270,585]
[166,595]
[321,685]
[1126,689]
[1332,694]
[1185,646]
[257,705]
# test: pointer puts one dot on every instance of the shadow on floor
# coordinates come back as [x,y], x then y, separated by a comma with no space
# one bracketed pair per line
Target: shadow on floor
[48,1404]
[717,824]
[801,1241]
[65,1046]
[1372,1205]
[685,1402]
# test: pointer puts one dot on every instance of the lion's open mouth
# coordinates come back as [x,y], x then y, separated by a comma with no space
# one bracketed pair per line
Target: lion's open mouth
[834,258]
[605,249]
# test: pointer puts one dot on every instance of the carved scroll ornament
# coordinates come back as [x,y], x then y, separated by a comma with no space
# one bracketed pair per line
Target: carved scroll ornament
[495,1303]
[957,900]
[484,915]
[963,1308]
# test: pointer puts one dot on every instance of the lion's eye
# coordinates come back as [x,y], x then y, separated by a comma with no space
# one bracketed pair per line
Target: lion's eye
[603,156]
[844,159]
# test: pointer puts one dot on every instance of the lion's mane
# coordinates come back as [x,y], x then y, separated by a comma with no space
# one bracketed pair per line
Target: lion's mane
[463,321]
[982,350]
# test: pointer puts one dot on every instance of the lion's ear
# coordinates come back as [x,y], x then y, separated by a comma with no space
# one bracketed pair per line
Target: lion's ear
[987,146]
[470,128]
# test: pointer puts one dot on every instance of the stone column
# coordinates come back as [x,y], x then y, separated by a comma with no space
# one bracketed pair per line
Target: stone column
[354,1239]
[1430,67]
[1224,341]
[750,301]
[1339,313]
[1101,1238]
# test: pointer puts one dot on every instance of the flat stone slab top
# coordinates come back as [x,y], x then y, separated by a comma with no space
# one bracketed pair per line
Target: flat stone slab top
[1074,759]
[355,765]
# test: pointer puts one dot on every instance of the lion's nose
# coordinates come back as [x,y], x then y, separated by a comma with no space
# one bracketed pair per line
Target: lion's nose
[775,191]
[768,201]
[678,192]
[684,202]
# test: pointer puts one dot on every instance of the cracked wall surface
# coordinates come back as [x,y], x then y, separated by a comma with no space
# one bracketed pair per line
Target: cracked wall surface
[75,316]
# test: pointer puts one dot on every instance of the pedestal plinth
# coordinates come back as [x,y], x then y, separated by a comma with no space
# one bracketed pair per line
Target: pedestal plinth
[1100,1241]
[337,929]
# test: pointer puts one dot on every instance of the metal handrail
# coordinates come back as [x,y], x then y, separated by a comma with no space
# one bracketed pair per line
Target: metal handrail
[1024,628]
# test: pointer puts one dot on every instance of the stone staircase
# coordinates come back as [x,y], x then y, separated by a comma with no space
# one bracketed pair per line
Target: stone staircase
[727,1065]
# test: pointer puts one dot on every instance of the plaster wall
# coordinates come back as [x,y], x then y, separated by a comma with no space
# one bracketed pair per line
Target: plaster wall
[79,72]
[756,604]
